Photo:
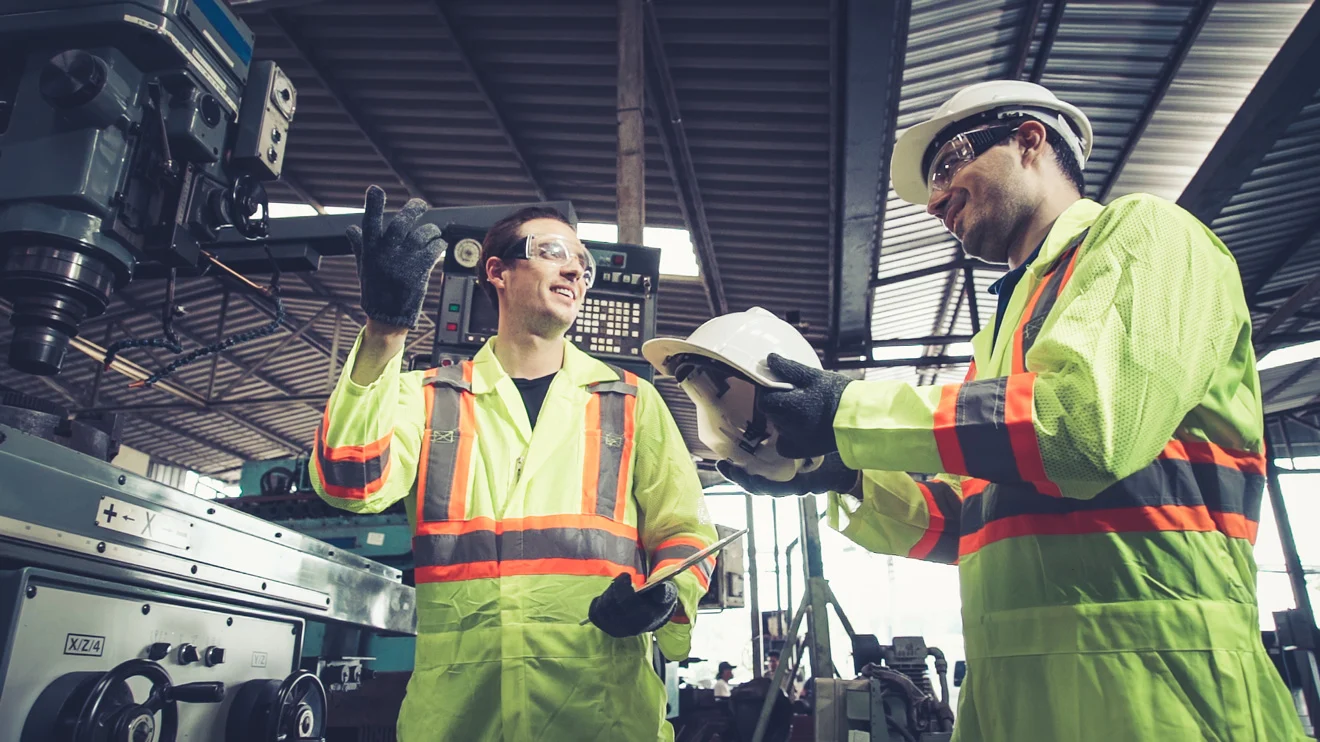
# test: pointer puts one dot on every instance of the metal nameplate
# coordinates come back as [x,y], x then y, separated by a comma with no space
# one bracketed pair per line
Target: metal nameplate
[84,645]
[135,520]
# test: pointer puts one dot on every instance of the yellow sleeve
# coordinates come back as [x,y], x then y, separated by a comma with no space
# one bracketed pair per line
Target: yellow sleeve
[675,522]
[901,516]
[364,458]
[1153,309]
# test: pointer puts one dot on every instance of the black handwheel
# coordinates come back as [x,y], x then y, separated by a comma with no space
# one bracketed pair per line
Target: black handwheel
[244,199]
[272,711]
[105,717]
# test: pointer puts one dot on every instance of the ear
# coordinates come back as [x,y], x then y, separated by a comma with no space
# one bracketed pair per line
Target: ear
[495,269]
[1031,138]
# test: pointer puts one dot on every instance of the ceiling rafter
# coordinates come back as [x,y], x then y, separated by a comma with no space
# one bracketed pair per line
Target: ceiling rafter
[483,90]
[1191,30]
[340,97]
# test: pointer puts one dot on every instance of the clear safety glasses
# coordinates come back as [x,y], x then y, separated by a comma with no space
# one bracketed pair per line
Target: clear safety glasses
[958,152]
[557,250]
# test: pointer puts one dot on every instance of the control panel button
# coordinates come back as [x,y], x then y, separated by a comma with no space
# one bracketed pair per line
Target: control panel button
[214,656]
[159,651]
[188,654]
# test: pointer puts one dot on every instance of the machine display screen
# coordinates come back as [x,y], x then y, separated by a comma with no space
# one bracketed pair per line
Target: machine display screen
[485,316]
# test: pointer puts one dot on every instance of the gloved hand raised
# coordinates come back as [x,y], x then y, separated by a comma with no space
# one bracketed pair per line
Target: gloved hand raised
[803,415]
[621,612]
[395,262]
[831,476]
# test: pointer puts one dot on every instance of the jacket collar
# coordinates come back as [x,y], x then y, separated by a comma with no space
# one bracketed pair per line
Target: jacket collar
[579,368]
[1077,217]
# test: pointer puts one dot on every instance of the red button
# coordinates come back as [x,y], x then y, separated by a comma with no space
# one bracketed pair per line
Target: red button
[452,327]
[617,259]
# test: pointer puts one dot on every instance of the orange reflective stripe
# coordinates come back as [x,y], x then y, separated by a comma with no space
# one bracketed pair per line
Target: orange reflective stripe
[467,433]
[971,371]
[529,523]
[940,541]
[445,459]
[946,430]
[1204,452]
[625,458]
[591,455]
[520,567]
[1020,419]
[1018,352]
[1120,520]
[350,453]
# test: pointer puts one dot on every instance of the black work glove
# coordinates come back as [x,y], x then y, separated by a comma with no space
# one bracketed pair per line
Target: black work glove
[394,263]
[831,476]
[803,415]
[621,612]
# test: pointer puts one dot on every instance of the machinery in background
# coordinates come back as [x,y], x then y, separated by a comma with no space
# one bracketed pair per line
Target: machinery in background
[890,700]
[132,132]
[132,611]
[619,313]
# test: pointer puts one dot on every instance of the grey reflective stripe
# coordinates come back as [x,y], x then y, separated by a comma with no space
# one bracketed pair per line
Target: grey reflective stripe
[443,434]
[614,387]
[354,475]
[581,544]
[1053,287]
[680,552]
[443,378]
[983,432]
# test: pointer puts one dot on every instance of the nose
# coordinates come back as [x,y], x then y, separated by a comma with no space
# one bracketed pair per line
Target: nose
[572,271]
[936,203]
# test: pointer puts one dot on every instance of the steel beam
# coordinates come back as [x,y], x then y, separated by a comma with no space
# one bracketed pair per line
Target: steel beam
[1047,41]
[1299,299]
[1281,258]
[1288,84]
[1186,39]
[874,41]
[219,335]
[678,158]
[299,190]
[340,97]
[1025,34]
[630,110]
[483,90]
[927,340]
[960,261]
[317,400]
[293,336]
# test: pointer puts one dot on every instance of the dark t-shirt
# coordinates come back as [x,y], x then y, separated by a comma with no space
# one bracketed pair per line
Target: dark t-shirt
[533,394]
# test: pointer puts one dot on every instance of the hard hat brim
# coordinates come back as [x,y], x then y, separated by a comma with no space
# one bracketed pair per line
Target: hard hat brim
[660,350]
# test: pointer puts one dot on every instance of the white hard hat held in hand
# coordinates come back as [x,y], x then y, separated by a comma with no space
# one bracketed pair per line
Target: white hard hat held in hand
[720,367]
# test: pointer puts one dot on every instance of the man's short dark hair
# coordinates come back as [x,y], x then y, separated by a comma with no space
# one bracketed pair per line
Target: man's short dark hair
[1063,155]
[503,234]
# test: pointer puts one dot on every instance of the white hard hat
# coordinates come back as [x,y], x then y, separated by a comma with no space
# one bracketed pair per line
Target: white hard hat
[1006,97]
[720,366]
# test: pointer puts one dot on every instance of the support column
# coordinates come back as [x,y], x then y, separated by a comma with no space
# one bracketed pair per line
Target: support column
[631,184]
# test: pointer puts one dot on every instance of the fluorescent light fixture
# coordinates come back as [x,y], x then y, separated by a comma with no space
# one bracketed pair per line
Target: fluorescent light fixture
[1293,354]
[282,211]
[677,258]
[343,209]
[897,352]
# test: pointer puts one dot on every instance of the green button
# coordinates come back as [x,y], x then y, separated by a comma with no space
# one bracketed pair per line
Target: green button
[454,307]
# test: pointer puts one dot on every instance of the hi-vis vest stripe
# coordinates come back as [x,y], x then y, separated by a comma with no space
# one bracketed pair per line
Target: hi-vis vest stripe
[351,472]
[986,428]
[448,546]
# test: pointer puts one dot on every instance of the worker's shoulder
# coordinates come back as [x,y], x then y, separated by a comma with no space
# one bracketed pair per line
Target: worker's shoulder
[1158,212]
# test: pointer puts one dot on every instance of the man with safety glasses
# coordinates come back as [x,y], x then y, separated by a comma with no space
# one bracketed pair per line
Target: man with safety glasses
[542,486]
[1098,473]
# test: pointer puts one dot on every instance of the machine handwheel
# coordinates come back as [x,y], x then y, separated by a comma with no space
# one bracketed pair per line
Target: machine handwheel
[272,711]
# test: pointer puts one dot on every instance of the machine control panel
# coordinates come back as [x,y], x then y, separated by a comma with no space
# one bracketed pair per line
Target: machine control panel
[616,318]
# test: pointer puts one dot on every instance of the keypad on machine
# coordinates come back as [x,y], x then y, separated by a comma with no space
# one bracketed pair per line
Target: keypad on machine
[612,326]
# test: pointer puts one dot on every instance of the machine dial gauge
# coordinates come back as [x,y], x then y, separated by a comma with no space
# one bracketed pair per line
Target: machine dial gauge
[467,252]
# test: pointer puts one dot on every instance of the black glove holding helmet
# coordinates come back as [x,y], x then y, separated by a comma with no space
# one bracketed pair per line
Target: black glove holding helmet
[803,415]
[621,611]
[831,476]
[395,262]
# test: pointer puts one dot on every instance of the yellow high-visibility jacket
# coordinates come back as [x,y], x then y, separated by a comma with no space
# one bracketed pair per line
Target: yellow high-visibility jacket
[1103,466]
[515,531]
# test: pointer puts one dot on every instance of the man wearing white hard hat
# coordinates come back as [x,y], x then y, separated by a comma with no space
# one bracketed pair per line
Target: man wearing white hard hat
[1098,474]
